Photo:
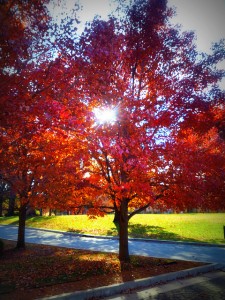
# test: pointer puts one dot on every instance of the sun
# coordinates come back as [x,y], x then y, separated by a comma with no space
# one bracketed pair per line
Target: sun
[105,115]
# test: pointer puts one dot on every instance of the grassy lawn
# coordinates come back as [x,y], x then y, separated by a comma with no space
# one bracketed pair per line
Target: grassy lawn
[202,227]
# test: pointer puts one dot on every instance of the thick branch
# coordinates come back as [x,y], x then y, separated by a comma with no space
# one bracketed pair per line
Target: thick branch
[143,207]
[138,211]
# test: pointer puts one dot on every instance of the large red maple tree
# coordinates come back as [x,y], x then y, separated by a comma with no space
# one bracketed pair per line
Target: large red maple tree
[151,75]
[56,138]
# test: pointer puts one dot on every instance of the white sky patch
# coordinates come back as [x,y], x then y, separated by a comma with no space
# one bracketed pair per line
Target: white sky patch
[95,7]
[205,17]
[221,66]
[87,175]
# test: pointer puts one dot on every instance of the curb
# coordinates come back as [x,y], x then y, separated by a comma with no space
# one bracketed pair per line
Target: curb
[116,289]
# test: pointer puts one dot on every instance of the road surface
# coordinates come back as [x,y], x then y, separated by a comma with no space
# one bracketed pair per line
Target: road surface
[182,251]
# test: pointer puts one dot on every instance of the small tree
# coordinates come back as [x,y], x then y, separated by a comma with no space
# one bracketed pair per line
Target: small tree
[30,112]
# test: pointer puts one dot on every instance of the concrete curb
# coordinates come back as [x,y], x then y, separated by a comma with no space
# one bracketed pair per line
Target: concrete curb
[116,289]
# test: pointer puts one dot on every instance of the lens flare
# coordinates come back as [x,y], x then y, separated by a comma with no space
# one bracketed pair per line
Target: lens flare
[105,115]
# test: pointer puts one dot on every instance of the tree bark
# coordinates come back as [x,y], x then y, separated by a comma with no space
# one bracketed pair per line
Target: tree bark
[116,216]
[1,206]
[21,228]
[123,232]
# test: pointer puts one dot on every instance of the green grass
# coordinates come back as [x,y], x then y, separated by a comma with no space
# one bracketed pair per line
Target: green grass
[201,227]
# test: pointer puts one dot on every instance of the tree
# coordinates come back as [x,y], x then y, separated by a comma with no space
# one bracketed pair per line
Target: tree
[15,101]
[142,68]
[202,142]
[151,75]
[31,114]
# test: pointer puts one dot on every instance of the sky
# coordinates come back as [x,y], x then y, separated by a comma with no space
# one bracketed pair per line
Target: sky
[205,17]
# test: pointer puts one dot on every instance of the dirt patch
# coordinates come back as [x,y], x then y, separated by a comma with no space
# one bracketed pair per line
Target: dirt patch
[41,271]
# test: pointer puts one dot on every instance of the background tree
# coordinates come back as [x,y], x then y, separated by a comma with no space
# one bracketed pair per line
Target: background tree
[31,113]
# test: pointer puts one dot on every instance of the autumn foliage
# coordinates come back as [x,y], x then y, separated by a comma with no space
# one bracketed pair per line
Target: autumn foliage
[165,149]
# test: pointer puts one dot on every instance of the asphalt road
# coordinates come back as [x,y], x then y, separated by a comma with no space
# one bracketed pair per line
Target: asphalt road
[183,251]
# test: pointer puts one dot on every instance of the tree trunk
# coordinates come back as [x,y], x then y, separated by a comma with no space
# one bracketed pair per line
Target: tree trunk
[1,206]
[123,232]
[116,216]
[21,228]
